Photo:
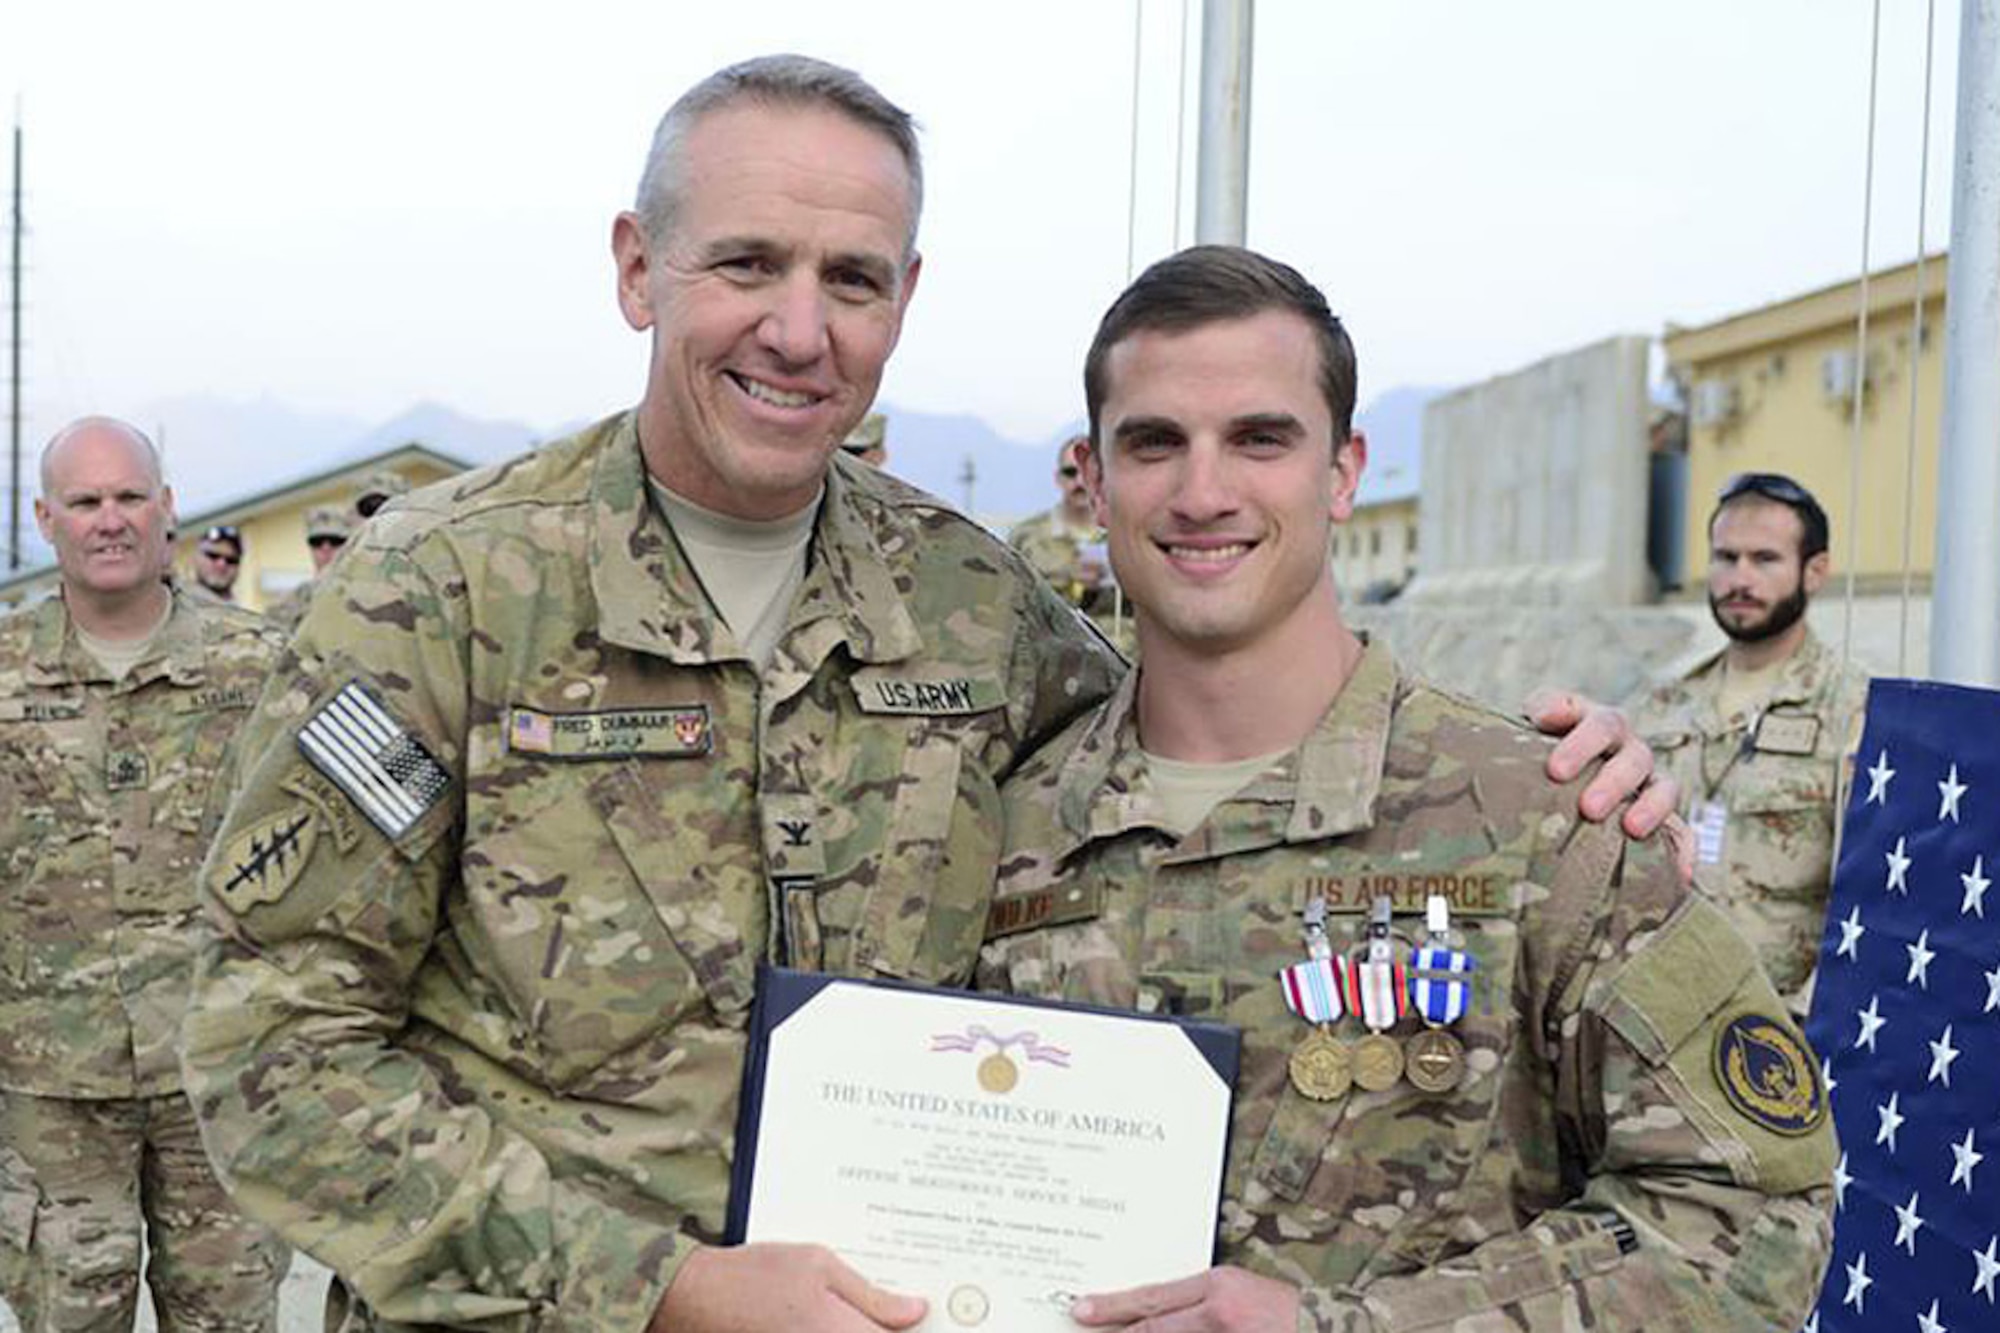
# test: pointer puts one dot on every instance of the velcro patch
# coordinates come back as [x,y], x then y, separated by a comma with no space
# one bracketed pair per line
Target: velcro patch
[678,732]
[384,769]
[215,699]
[877,692]
[260,863]
[1768,1075]
[335,811]
[126,770]
[1784,733]
[1057,905]
[1470,893]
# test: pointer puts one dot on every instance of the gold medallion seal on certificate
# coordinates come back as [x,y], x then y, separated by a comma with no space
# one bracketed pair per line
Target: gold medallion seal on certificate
[1320,1068]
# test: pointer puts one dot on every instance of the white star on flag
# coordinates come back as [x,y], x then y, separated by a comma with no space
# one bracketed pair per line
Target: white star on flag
[1921,955]
[1826,1074]
[1948,793]
[1992,991]
[1928,1323]
[1872,1022]
[1858,1281]
[1890,1118]
[1989,1268]
[1942,1054]
[1908,1220]
[1964,1157]
[1899,866]
[1976,885]
[1851,931]
[1878,779]
[1841,1180]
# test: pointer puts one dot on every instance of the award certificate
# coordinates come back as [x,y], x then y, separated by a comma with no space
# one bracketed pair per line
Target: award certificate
[998,1157]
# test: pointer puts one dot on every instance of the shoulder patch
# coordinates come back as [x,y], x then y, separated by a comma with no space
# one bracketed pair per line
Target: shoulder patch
[385,770]
[1768,1075]
[260,863]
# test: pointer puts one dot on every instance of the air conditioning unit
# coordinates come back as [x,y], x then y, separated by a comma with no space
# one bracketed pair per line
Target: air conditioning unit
[1837,374]
[1715,402]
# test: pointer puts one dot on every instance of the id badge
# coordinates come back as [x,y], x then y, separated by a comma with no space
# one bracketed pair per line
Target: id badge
[1711,822]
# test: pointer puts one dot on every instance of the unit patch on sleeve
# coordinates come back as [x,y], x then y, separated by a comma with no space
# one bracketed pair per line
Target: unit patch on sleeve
[264,860]
[383,769]
[679,732]
[1769,1076]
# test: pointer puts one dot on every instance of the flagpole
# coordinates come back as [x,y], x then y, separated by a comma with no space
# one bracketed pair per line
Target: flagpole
[1222,161]
[1965,607]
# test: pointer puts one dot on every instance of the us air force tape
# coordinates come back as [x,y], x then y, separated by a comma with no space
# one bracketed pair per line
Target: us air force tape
[383,769]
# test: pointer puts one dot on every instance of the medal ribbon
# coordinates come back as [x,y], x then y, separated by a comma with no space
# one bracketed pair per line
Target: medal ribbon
[1377,990]
[1312,990]
[1438,983]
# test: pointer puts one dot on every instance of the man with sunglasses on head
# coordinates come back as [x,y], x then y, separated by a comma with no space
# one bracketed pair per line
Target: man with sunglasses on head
[1757,734]
[218,558]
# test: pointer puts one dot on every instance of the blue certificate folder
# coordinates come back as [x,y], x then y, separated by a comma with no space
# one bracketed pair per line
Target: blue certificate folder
[782,992]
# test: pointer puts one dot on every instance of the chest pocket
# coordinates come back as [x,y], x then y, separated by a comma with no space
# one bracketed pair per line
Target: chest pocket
[919,911]
[189,762]
[1781,825]
[1348,1176]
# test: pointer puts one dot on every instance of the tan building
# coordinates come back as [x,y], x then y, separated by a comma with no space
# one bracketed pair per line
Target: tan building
[1375,552]
[273,524]
[1771,390]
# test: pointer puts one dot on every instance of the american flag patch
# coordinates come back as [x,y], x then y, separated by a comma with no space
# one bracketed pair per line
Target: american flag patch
[385,771]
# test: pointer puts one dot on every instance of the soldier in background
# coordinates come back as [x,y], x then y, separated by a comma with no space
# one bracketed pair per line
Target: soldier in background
[328,528]
[1760,735]
[869,442]
[218,559]
[1570,1125]
[1066,545]
[377,489]
[120,701]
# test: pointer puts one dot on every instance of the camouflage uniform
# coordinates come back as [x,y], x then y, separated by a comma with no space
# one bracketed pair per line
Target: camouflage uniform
[108,795]
[1781,791]
[1590,1102]
[485,1065]
[1055,549]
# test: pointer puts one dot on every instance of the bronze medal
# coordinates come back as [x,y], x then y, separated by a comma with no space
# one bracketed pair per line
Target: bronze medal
[997,1073]
[1434,1061]
[1320,1067]
[1378,1062]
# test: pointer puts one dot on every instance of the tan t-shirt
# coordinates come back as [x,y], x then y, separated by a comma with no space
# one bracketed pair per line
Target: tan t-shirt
[119,656]
[751,569]
[1189,791]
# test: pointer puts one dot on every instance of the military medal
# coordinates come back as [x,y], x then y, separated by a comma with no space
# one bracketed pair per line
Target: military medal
[1319,1066]
[1440,989]
[1376,990]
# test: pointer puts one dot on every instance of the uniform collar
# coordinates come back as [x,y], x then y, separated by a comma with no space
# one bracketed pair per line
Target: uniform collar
[1324,788]
[649,599]
[56,656]
[1799,680]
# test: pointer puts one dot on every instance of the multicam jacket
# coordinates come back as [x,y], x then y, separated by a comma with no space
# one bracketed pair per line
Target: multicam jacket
[1780,785]
[1638,1137]
[520,819]
[109,793]
[1056,549]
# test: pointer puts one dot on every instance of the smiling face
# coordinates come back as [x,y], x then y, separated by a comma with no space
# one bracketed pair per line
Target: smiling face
[105,511]
[774,302]
[1218,479]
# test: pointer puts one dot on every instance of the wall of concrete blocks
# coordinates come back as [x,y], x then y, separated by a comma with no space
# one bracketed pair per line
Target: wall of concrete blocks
[1535,485]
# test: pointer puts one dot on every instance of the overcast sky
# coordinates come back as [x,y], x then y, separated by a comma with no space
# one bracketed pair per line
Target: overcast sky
[356,207]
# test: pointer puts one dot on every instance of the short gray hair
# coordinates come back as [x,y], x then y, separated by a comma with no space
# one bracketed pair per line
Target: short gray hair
[781,80]
[107,425]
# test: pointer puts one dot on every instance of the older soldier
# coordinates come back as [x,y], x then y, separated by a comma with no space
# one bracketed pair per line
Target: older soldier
[119,704]
[571,744]
[1067,546]
[1759,734]
[1607,1123]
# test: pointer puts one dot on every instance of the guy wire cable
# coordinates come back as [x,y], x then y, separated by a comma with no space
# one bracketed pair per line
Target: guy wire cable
[1916,348]
[1861,348]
